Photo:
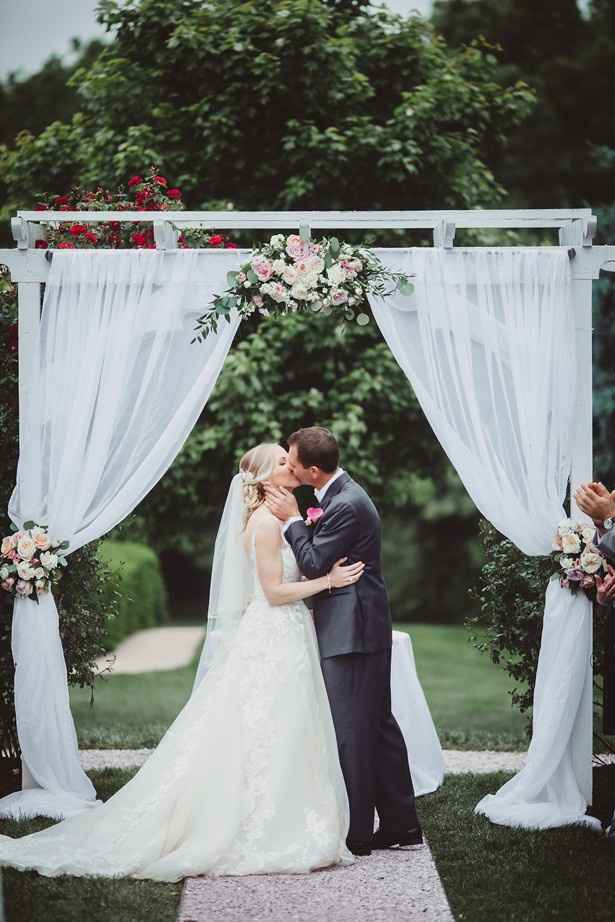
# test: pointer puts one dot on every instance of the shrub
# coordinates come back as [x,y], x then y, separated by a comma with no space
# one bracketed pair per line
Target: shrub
[137,579]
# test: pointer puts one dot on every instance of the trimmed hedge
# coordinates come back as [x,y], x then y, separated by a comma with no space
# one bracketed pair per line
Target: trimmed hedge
[138,580]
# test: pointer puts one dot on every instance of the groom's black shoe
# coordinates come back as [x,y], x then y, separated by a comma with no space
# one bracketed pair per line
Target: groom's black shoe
[383,839]
[359,848]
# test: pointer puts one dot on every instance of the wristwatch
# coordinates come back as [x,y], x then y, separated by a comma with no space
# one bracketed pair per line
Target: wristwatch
[608,523]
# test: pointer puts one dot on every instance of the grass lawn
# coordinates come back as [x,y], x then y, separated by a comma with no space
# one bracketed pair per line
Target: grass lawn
[30,897]
[494,873]
[467,694]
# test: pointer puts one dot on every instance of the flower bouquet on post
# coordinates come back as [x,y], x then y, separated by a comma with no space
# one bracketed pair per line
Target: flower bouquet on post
[30,561]
[580,562]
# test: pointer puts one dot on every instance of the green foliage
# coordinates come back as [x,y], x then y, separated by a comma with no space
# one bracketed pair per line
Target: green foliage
[138,582]
[279,104]
[555,157]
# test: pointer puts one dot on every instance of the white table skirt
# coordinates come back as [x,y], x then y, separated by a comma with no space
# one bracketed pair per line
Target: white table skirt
[414,718]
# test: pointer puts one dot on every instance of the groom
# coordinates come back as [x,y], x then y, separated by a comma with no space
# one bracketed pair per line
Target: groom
[353,625]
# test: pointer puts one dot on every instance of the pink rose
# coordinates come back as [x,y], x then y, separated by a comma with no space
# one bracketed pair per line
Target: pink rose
[257,301]
[314,513]
[297,247]
[41,541]
[262,268]
[23,587]
[339,296]
[8,583]
[8,544]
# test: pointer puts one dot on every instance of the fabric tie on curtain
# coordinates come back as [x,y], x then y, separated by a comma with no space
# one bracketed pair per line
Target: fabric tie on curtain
[487,342]
[119,388]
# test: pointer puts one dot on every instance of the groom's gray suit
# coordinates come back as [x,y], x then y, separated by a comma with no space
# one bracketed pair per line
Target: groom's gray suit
[353,625]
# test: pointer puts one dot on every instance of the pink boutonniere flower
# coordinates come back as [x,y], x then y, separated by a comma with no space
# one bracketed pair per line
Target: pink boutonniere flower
[314,513]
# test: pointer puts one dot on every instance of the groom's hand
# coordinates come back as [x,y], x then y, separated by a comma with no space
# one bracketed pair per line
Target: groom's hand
[281,502]
[595,501]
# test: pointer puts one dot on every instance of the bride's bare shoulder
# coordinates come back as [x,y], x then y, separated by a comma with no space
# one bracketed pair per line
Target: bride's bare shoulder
[265,527]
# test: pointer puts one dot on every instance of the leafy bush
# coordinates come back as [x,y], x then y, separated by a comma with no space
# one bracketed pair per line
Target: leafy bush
[508,626]
[137,579]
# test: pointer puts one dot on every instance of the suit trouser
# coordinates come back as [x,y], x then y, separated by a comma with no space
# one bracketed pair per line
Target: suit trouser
[371,746]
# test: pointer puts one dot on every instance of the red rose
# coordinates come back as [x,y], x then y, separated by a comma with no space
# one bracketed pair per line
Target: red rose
[231,246]
[66,246]
[142,196]
[40,206]
[62,200]
[160,180]
[76,229]
[174,193]
[134,181]
[40,245]
[138,239]
[216,240]
[91,237]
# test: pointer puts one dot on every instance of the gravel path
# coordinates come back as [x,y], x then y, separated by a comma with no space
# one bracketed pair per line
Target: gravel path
[401,885]
[456,761]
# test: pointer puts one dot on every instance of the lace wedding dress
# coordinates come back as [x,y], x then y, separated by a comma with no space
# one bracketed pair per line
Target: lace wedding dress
[246,780]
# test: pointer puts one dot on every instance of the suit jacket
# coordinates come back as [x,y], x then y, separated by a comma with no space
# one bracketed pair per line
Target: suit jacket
[607,546]
[350,619]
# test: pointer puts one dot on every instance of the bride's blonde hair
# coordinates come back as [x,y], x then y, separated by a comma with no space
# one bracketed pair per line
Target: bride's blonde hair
[257,465]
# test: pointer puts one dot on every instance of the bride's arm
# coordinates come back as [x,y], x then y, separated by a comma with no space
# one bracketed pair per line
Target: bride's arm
[270,572]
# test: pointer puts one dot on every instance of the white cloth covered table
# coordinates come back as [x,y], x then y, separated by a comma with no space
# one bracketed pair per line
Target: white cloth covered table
[414,718]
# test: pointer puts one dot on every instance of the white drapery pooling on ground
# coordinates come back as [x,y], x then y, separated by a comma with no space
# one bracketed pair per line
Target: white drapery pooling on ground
[487,342]
[120,388]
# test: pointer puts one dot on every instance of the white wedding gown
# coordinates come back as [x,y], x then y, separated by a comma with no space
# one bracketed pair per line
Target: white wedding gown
[246,780]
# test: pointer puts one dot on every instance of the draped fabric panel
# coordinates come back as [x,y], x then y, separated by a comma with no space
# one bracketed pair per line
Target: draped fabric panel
[119,387]
[487,342]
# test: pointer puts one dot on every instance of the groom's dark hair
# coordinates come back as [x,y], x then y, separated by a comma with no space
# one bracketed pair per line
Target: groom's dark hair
[316,446]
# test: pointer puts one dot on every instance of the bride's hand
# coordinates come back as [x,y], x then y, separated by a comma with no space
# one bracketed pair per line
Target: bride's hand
[345,575]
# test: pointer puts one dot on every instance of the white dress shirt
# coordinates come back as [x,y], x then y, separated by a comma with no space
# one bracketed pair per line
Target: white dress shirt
[319,496]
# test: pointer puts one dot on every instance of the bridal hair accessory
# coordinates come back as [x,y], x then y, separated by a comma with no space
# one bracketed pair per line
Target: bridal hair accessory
[30,561]
[579,559]
[297,274]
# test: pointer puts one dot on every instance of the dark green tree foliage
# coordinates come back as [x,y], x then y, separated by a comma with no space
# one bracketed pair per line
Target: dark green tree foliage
[553,157]
[278,104]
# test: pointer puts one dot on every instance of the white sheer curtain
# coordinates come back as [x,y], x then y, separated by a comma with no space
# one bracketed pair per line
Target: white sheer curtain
[118,389]
[487,342]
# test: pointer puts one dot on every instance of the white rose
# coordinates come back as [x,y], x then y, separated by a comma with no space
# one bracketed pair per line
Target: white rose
[277,241]
[290,275]
[571,544]
[316,264]
[336,274]
[39,573]
[26,547]
[299,291]
[588,533]
[279,266]
[24,570]
[4,572]
[591,561]
[565,527]
[566,562]
[37,530]
[49,560]
[41,585]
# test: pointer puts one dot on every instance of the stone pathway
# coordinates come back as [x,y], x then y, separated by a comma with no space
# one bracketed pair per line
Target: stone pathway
[396,886]
[154,649]
[456,761]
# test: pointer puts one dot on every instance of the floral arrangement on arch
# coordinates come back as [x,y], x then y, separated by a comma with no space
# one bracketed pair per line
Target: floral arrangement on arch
[150,192]
[581,563]
[30,561]
[297,274]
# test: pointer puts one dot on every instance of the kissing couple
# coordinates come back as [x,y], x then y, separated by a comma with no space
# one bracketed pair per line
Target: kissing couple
[287,745]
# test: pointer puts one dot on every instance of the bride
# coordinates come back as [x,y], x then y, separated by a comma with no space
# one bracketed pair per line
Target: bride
[247,779]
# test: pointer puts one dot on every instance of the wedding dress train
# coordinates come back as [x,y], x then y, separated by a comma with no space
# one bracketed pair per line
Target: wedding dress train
[246,780]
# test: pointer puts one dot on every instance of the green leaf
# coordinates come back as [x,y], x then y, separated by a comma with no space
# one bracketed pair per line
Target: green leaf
[63,545]
[405,287]
[231,279]
[252,276]
[334,246]
[29,524]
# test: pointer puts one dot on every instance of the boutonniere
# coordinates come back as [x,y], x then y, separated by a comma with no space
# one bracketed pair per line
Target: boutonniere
[314,513]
